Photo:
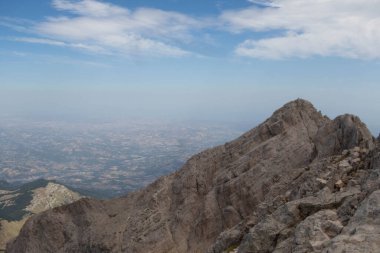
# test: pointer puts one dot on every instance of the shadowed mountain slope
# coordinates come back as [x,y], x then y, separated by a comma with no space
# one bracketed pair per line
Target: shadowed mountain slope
[296,183]
[18,202]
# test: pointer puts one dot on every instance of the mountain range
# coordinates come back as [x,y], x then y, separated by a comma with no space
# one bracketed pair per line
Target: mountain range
[298,182]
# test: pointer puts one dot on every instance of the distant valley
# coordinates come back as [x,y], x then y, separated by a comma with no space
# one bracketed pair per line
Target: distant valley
[102,159]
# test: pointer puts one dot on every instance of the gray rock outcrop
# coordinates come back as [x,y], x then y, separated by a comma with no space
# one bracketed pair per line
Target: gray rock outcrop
[299,182]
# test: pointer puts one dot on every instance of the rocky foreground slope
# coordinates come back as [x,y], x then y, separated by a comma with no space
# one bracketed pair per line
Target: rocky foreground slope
[299,182]
[18,203]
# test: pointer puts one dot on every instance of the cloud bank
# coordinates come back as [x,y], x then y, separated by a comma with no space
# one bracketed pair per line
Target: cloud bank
[274,29]
[342,28]
[109,29]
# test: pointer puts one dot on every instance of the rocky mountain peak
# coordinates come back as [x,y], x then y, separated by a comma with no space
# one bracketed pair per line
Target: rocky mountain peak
[298,105]
[298,182]
[296,111]
[298,116]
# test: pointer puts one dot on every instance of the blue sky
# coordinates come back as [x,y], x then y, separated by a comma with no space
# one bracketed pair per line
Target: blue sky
[231,61]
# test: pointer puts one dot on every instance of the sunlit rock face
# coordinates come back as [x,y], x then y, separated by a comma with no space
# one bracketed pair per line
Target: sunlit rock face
[298,182]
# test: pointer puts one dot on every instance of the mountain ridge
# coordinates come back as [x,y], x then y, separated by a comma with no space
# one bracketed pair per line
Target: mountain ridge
[222,197]
[20,201]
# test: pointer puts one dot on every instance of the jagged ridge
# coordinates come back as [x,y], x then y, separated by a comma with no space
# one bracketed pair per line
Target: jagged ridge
[225,197]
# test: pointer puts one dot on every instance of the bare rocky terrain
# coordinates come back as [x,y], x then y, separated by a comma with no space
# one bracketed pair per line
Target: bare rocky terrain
[299,182]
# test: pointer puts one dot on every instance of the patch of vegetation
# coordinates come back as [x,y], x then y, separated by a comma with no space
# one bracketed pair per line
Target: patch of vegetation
[17,211]
[35,184]
[4,185]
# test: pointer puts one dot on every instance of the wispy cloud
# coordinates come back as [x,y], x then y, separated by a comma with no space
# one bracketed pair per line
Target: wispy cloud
[90,8]
[101,27]
[53,59]
[38,41]
[343,28]
[52,42]
[17,24]
[293,29]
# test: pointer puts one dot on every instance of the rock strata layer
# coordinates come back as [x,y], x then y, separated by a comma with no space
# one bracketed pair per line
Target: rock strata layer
[299,182]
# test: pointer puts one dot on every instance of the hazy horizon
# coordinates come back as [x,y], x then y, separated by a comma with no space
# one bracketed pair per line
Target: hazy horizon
[217,61]
[56,107]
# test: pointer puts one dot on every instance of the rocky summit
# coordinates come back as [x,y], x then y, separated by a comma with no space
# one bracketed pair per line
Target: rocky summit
[299,182]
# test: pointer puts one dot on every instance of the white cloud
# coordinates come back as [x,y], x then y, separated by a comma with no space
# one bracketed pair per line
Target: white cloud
[106,28]
[343,28]
[293,28]
[39,41]
[89,8]
[51,42]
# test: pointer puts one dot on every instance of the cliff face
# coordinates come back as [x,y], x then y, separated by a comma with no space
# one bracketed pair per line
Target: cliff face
[299,182]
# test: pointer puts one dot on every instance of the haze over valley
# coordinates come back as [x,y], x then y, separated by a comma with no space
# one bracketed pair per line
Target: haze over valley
[106,159]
